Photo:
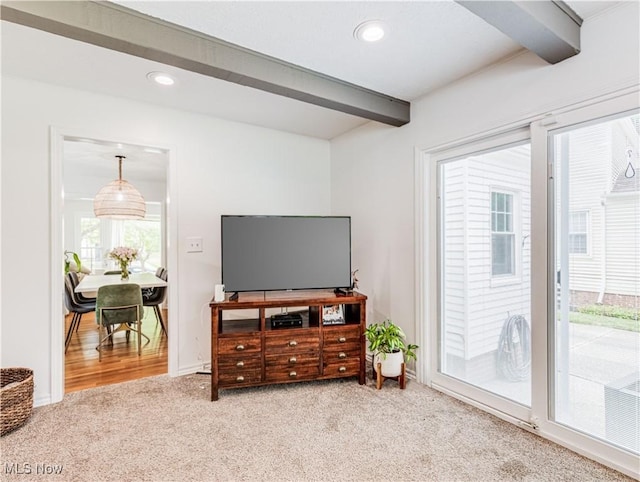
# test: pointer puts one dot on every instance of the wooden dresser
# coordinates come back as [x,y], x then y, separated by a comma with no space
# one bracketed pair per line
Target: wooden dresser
[246,351]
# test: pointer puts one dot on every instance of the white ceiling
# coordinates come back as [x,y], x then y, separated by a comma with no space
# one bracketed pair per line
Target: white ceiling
[88,157]
[429,44]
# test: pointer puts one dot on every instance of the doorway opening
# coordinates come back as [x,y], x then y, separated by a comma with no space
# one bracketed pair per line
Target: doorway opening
[88,165]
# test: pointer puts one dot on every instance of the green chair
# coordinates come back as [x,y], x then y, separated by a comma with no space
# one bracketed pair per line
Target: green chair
[119,305]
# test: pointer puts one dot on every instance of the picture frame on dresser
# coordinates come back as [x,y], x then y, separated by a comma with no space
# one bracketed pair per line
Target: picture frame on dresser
[333,315]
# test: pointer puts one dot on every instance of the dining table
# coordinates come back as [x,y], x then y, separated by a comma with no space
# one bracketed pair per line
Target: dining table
[91,282]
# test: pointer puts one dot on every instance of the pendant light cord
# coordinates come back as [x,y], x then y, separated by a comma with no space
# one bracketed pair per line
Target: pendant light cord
[120,167]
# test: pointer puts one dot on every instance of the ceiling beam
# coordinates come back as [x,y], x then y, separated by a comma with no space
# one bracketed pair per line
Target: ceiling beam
[548,28]
[118,28]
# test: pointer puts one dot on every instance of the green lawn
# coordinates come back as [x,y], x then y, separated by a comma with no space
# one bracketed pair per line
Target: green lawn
[608,321]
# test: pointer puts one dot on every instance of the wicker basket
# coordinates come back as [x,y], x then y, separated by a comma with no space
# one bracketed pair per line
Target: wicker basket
[16,398]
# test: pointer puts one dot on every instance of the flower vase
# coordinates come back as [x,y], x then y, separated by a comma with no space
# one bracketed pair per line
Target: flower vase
[124,271]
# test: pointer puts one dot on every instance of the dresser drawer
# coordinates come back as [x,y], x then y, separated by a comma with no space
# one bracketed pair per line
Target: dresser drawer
[240,369]
[346,368]
[342,338]
[244,361]
[285,374]
[291,343]
[292,360]
[239,344]
[347,353]
[239,377]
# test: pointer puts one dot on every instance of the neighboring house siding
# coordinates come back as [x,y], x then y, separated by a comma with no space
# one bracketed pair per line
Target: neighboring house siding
[476,305]
[623,244]
[590,165]
[454,258]
[598,156]
[491,300]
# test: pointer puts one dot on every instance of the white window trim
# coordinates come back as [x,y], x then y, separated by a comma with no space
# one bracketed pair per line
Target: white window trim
[77,228]
[544,284]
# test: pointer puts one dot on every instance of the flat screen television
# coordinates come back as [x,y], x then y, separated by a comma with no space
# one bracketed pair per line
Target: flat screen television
[269,253]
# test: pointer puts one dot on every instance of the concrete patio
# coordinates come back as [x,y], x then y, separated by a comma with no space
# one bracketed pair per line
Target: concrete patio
[599,356]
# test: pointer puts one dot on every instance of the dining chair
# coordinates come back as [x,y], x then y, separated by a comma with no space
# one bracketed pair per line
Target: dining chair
[77,308]
[154,297]
[79,297]
[146,292]
[75,281]
[119,307]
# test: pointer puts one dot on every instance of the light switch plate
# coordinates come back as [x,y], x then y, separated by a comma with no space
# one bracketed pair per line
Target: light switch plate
[194,245]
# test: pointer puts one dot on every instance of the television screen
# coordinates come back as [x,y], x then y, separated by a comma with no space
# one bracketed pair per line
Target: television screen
[267,253]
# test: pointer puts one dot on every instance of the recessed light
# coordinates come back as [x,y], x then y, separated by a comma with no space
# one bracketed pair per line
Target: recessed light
[370,31]
[161,78]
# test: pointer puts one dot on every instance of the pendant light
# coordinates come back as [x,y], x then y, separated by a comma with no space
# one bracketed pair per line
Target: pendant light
[119,199]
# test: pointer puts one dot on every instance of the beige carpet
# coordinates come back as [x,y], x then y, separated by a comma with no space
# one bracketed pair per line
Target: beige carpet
[166,429]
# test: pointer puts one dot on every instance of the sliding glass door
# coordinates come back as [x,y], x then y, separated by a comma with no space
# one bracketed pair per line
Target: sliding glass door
[533,295]
[596,332]
[484,276]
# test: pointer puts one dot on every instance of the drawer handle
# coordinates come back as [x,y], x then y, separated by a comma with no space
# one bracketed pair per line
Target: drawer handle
[293,343]
[239,347]
[293,374]
[342,339]
[342,369]
[240,379]
[293,360]
[240,364]
[342,355]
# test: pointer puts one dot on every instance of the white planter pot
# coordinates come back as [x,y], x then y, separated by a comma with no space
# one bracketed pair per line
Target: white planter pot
[391,364]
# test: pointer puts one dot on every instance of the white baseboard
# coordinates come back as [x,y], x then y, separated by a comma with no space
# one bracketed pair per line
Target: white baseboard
[191,369]
[41,401]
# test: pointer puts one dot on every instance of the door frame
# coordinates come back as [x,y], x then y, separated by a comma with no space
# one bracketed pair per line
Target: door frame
[542,277]
[501,406]
[544,283]
[57,137]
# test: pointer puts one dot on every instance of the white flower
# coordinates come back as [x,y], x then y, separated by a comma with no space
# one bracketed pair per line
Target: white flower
[123,254]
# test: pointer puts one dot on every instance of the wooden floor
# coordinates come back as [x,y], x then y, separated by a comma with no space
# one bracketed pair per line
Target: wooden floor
[120,362]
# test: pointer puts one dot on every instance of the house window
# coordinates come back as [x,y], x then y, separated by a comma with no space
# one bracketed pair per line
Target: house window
[502,235]
[146,236]
[578,232]
[90,243]
[93,238]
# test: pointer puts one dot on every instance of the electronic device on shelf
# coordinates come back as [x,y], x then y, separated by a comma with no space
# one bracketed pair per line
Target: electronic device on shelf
[286,320]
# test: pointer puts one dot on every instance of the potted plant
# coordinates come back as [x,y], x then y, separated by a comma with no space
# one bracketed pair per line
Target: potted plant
[386,341]
[67,261]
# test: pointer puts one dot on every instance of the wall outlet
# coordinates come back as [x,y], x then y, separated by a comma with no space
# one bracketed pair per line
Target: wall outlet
[194,245]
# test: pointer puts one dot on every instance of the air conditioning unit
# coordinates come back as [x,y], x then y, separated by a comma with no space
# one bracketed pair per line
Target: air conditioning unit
[622,411]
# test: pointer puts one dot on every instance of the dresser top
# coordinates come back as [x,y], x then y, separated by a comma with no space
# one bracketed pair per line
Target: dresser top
[254,299]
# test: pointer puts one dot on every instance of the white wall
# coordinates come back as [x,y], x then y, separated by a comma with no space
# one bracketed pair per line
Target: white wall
[373,167]
[222,168]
